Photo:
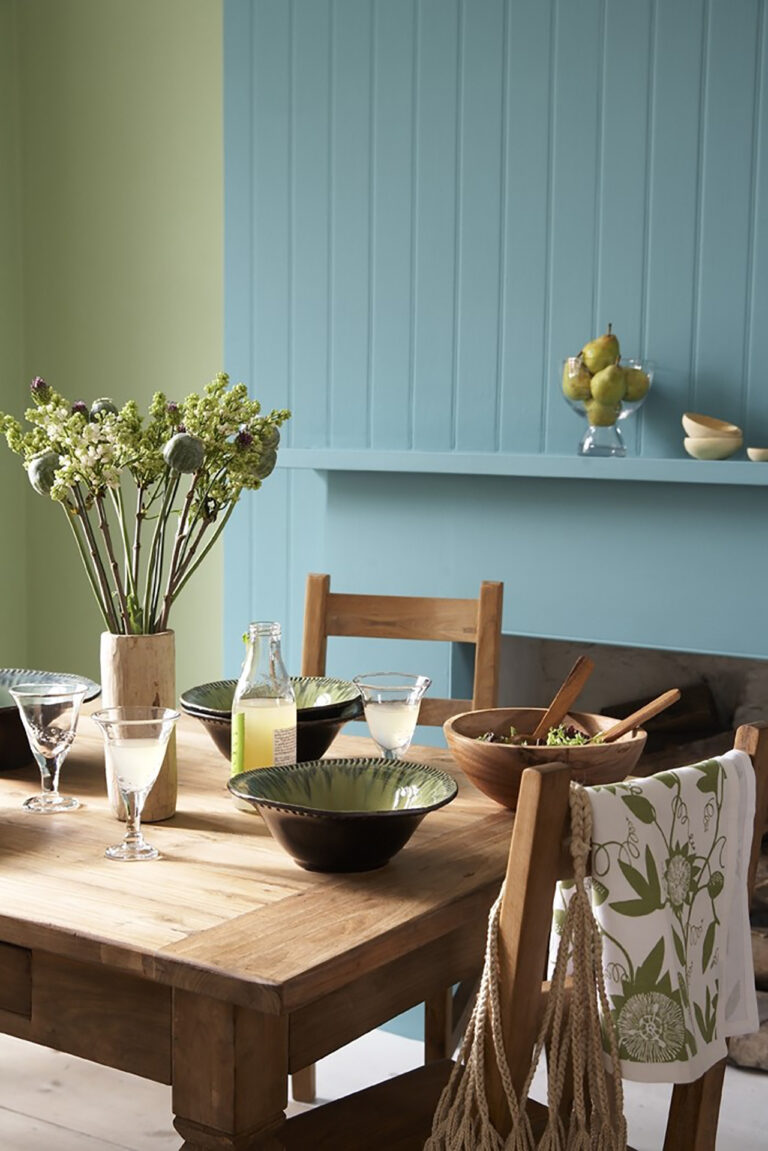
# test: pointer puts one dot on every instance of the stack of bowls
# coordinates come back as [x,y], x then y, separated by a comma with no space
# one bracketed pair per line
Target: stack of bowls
[323,706]
[707,438]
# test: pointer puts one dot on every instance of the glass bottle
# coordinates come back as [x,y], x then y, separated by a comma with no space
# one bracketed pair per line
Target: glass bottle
[264,705]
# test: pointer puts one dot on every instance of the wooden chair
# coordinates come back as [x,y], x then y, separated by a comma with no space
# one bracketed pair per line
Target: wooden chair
[397,1115]
[474,621]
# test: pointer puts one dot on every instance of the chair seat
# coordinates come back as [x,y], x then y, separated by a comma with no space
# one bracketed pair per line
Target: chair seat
[395,1115]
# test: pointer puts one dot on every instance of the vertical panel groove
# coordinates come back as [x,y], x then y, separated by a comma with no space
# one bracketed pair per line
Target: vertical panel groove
[599,322]
[371,219]
[502,289]
[746,376]
[330,227]
[549,253]
[650,115]
[699,221]
[457,221]
[292,194]
[414,219]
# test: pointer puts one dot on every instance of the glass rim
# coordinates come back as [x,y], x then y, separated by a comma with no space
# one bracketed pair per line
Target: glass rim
[128,716]
[400,679]
[53,689]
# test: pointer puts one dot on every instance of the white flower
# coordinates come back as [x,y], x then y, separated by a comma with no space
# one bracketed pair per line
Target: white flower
[651,1028]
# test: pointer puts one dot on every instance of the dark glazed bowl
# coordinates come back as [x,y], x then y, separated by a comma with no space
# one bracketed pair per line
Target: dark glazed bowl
[323,706]
[343,815]
[14,748]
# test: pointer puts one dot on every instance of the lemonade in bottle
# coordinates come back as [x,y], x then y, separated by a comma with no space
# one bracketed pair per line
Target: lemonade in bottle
[264,706]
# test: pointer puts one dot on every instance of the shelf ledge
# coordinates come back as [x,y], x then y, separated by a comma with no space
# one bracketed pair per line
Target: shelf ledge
[744,473]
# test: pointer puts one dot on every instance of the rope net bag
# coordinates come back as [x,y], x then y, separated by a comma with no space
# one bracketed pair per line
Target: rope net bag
[571,1027]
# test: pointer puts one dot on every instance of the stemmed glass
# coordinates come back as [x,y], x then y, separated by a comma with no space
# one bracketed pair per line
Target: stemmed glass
[49,713]
[391,701]
[135,739]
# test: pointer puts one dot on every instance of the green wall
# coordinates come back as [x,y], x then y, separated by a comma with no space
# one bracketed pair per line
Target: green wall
[120,140]
[13,484]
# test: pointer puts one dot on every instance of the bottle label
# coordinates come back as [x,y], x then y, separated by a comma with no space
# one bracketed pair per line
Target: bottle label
[238,742]
[285,745]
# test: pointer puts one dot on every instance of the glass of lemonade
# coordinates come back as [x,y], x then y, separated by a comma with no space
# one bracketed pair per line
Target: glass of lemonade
[392,700]
[135,739]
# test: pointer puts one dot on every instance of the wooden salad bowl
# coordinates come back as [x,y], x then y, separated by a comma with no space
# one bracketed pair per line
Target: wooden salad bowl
[496,768]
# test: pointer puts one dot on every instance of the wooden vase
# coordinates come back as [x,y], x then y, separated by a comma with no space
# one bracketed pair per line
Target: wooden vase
[140,671]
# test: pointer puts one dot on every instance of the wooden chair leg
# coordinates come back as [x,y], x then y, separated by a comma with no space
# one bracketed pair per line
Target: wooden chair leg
[304,1084]
[694,1111]
[438,1026]
[446,1015]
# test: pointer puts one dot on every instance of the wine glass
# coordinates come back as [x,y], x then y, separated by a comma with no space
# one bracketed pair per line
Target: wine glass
[391,701]
[135,739]
[49,713]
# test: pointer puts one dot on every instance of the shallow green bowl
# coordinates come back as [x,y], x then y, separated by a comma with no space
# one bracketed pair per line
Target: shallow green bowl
[344,814]
[323,696]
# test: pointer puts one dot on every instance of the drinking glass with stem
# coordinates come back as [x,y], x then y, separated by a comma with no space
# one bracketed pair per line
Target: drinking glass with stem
[391,701]
[135,741]
[49,713]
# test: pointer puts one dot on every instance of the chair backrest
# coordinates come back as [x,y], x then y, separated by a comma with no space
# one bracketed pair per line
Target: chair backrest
[475,621]
[539,857]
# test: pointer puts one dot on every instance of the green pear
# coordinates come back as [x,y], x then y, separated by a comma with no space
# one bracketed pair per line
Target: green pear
[576,379]
[601,415]
[601,352]
[638,383]
[609,385]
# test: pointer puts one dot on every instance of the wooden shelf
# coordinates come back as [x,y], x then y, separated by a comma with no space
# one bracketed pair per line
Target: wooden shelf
[740,473]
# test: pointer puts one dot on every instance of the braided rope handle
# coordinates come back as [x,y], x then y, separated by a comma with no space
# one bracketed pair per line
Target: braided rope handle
[462,1120]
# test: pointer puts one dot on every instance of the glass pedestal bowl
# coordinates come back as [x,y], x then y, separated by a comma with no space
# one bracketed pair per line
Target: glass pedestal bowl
[603,435]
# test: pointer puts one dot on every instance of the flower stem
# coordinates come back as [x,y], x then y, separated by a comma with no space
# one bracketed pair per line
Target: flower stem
[139,520]
[72,521]
[152,563]
[97,561]
[181,531]
[114,565]
[190,567]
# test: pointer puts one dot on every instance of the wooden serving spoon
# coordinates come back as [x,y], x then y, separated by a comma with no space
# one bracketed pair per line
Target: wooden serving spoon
[567,694]
[638,718]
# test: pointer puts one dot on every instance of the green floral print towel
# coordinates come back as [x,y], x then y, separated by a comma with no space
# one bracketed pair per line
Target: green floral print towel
[669,862]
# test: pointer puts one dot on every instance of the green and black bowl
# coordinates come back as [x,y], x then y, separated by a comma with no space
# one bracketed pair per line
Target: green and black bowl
[323,706]
[343,815]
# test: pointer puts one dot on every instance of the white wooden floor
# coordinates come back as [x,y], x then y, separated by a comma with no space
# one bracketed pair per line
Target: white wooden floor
[54,1102]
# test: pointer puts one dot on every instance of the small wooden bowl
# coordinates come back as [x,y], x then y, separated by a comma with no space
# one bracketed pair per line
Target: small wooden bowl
[712,447]
[496,768]
[703,427]
[759,455]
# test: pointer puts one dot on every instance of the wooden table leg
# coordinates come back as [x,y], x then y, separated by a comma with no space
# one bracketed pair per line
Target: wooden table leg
[230,1074]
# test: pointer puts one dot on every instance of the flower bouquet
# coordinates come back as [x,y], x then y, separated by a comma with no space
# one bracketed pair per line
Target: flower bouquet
[146,500]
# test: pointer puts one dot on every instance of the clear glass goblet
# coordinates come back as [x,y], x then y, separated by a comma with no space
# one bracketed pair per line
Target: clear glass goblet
[49,713]
[135,739]
[391,701]
[603,436]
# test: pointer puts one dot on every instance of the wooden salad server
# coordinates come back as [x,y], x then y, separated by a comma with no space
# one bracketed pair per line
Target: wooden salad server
[567,695]
[638,718]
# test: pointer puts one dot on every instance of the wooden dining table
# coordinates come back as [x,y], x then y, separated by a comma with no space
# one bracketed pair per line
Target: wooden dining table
[222,967]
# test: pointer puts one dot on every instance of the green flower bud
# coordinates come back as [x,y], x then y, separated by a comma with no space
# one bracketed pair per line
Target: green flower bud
[101,406]
[184,452]
[266,464]
[42,472]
